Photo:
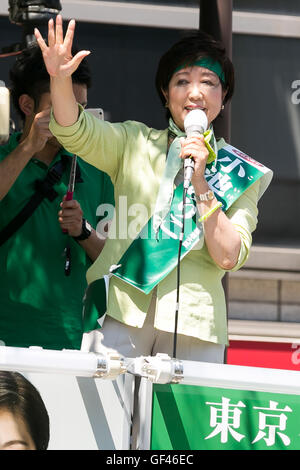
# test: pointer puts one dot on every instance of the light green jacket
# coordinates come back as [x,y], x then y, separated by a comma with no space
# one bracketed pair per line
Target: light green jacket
[134,156]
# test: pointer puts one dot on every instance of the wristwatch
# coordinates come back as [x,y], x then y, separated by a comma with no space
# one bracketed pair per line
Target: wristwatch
[85,231]
[208,196]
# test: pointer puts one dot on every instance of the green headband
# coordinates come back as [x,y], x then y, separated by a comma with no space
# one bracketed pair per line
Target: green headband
[207,63]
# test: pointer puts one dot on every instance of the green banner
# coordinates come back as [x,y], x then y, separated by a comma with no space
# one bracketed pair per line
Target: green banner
[150,258]
[188,417]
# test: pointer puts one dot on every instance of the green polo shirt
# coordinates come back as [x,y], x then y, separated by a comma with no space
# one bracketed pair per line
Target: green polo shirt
[39,304]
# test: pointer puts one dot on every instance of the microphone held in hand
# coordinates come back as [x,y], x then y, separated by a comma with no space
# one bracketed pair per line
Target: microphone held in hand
[195,123]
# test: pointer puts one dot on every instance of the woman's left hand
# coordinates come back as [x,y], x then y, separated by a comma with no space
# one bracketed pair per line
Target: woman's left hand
[195,147]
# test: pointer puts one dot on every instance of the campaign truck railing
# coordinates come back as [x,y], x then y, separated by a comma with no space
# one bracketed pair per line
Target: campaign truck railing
[182,404]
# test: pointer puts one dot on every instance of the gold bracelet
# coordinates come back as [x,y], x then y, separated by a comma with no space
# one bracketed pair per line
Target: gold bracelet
[210,212]
[208,196]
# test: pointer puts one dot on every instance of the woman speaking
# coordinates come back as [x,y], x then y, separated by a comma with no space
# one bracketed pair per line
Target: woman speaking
[145,166]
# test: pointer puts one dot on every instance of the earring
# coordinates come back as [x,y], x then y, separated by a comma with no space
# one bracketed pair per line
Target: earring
[167,104]
[222,107]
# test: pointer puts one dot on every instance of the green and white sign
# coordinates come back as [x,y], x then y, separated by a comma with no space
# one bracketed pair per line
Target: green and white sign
[188,417]
[152,257]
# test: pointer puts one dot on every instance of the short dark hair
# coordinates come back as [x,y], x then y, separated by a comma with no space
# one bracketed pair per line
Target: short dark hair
[29,76]
[22,399]
[188,50]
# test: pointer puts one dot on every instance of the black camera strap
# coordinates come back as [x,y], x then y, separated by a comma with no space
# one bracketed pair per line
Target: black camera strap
[43,189]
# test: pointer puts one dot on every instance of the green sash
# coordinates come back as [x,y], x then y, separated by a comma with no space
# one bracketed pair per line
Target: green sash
[150,258]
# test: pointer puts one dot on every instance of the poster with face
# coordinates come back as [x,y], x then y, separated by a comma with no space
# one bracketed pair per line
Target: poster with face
[60,400]
[86,413]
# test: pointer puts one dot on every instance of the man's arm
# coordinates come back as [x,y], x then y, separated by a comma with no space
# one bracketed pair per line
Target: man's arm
[12,165]
[93,245]
[70,218]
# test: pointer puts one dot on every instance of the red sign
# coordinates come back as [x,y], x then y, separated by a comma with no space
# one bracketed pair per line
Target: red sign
[264,354]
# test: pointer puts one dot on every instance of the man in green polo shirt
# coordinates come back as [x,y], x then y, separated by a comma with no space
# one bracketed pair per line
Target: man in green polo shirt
[40,290]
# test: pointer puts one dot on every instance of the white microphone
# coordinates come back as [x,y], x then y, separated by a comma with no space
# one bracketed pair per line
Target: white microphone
[195,123]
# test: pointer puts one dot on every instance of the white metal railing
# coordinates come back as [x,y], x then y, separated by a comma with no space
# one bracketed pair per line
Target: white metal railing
[161,369]
[70,362]
[157,369]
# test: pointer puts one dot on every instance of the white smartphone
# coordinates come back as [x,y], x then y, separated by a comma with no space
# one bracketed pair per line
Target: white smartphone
[98,112]
[4,113]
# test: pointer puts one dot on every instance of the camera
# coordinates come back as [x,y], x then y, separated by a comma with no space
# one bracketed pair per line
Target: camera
[35,12]
[28,14]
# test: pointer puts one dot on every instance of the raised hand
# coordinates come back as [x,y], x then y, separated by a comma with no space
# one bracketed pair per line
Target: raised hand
[58,54]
